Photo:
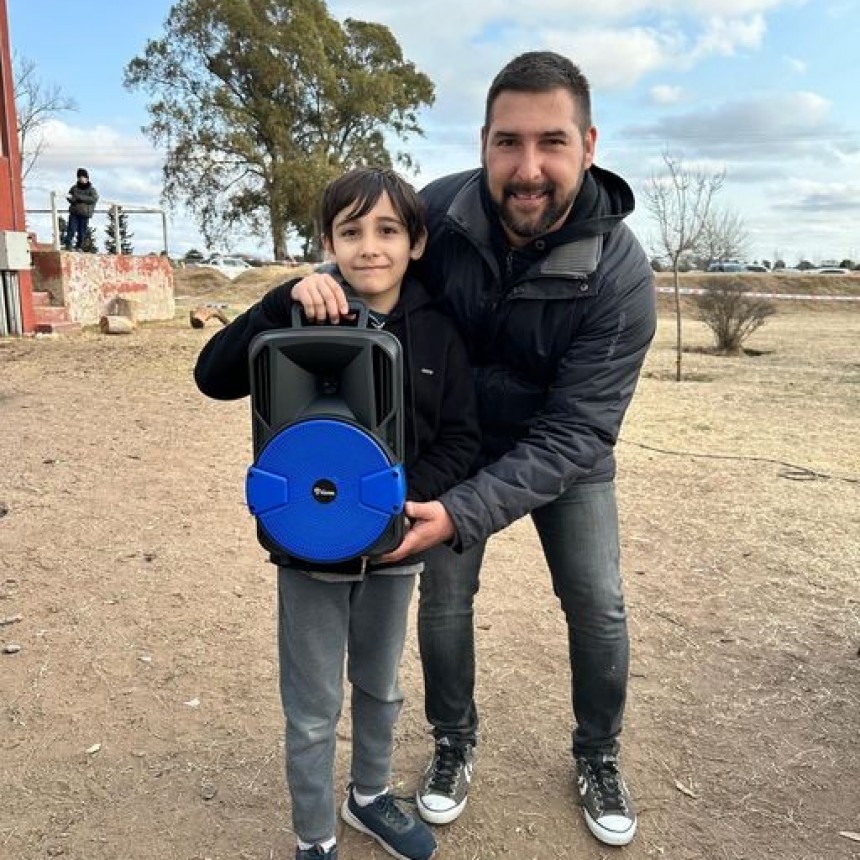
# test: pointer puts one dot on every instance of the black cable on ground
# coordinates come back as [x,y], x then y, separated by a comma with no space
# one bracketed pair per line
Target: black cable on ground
[791,471]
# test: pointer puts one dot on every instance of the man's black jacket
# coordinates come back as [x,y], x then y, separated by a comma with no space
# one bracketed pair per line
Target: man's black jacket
[556,333]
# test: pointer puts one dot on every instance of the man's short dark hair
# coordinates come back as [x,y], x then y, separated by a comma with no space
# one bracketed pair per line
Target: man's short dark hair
[359,190]
[541,72]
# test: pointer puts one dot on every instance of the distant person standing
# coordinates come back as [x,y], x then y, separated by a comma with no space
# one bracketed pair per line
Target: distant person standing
[82,199]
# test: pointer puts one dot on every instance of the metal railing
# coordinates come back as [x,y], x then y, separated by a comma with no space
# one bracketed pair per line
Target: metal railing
[113,208]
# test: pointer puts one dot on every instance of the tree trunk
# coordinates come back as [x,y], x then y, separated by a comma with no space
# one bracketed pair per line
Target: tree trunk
[279,228]
[200,316]
[116,325]
[678,340]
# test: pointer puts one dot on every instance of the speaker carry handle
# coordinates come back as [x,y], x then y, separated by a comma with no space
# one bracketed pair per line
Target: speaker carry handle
[356,306]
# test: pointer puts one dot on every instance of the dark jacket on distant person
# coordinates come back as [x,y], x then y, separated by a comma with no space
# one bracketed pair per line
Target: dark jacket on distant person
[82,198]
[556,332]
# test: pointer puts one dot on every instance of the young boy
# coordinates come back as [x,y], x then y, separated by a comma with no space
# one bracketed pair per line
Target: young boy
[372,227]
[82,199]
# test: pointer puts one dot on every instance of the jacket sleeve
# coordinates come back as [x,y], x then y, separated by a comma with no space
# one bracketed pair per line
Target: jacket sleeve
[222,371]
[585,407]
[88,195]
[455,450]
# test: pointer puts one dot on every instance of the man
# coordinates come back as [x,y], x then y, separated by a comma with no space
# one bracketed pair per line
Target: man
[82,199]
[555,299]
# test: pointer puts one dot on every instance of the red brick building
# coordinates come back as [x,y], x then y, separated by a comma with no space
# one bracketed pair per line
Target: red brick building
[16,291]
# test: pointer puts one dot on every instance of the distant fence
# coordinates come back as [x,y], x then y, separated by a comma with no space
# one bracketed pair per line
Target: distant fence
[113,208]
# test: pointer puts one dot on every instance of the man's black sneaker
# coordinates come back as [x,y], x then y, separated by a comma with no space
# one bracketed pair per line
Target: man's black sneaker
[606,802]
[396,830]
[445,785]
[316,852]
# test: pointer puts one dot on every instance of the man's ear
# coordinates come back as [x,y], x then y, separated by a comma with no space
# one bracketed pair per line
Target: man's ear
[589,145]
[327,247]
[418,246]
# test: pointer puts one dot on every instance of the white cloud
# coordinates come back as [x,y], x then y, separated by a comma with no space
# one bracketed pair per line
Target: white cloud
[124,168]
[725,36]
[664,94]
[616,59]
[811,196]
[796,65]
[448,38]
[788,125]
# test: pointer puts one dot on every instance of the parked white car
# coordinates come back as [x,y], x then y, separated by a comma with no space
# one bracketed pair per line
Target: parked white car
[232,267]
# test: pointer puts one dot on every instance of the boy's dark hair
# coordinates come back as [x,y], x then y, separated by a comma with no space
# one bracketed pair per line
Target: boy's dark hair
[540,72]
[82,173]
[359,189]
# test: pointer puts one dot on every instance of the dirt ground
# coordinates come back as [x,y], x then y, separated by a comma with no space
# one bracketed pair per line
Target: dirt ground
[139,716]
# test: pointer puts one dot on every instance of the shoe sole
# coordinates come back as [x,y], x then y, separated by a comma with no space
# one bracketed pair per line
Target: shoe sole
[609,837]
[435,816]
[348,816]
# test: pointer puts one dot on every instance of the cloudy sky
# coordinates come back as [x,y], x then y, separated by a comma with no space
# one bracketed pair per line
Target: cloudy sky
[763,89]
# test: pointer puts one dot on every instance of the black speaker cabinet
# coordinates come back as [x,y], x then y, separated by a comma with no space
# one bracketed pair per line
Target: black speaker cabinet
[327,484]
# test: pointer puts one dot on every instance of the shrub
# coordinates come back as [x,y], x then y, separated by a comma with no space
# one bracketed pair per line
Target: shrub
[730,313]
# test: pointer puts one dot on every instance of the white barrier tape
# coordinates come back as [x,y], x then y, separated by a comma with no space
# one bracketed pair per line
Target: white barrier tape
[807,297]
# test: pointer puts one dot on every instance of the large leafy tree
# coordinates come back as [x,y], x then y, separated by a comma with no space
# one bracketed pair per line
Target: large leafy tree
[260,103]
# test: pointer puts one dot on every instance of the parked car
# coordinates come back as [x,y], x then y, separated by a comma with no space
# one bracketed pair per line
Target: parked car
[755,267]
[726,266]
[831,270]
[232,267]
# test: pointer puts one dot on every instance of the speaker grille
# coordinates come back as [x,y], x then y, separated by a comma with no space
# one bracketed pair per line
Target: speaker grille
[262,385]
[383,374]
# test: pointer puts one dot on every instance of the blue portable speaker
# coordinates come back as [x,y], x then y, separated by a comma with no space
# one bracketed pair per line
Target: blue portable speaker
[327,484]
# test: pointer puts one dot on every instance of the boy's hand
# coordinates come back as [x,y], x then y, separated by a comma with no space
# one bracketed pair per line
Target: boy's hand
[322,298]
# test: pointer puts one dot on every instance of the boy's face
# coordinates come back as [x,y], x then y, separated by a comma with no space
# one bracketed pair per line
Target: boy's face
[373,252]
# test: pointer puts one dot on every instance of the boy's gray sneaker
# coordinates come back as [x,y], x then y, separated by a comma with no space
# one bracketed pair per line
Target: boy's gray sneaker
[445,786]
[606,801]
[316,853]
[401,834]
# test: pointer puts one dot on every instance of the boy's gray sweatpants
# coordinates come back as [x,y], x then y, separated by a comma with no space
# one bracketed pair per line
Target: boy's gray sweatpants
[319,622]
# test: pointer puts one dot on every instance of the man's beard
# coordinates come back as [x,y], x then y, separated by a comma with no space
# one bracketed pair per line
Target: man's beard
[534,225]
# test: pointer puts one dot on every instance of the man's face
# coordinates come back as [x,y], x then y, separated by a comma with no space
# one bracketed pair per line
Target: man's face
[535,155]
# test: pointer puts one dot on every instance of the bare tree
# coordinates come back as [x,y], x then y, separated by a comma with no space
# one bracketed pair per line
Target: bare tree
[680,202]
[35,103]
[724,237]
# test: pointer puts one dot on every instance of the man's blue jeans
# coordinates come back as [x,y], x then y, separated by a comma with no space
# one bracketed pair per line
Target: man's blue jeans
[579,535]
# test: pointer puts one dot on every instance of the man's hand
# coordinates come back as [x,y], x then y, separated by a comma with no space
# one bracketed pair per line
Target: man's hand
[321,298]
[430,525]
